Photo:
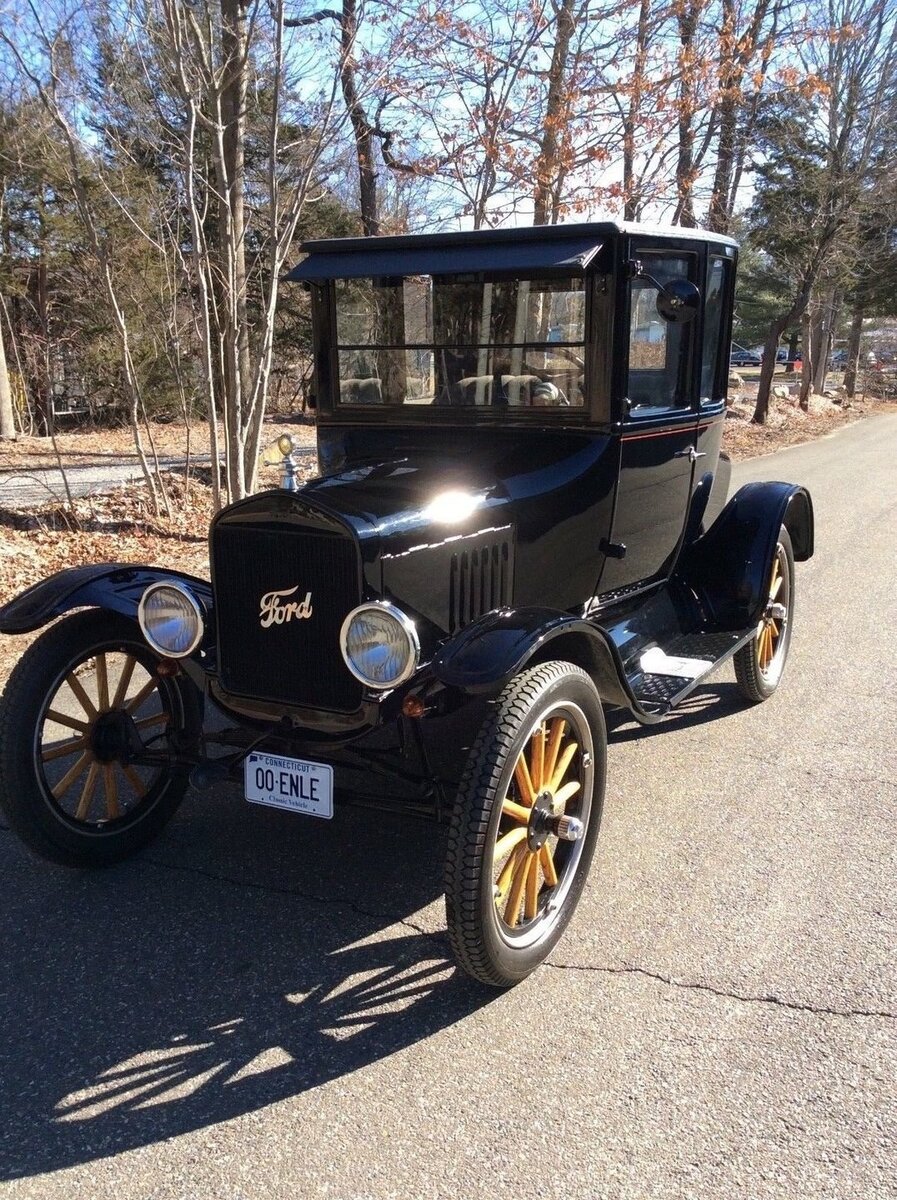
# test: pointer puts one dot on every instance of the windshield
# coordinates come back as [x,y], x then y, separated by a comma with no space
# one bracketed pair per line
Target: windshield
[425,340]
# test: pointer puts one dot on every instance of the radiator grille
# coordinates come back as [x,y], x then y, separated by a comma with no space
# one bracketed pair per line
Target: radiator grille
[297,661]
[479,581]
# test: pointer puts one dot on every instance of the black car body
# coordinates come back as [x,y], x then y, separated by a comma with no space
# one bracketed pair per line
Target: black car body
[523,499]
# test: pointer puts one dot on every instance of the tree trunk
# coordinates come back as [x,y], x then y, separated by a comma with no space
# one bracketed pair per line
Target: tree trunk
[632,200]
[718,214]
[853,350]
[767,370]
[547,163]
[7,418]
[232,231]
[687,21]
[809,358]
[368,195]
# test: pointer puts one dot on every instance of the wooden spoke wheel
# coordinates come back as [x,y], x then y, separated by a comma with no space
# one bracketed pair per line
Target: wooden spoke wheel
[759,664]
[525,823]
[83,708]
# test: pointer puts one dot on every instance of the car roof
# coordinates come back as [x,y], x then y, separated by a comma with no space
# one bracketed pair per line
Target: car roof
[535,247]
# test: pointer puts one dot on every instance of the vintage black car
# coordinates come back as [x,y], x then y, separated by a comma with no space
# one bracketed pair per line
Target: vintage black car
[521,521]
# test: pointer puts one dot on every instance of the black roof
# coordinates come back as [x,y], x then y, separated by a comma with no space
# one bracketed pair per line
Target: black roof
[531,249]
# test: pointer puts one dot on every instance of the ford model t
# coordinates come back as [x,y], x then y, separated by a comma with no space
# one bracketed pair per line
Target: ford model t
[521,521]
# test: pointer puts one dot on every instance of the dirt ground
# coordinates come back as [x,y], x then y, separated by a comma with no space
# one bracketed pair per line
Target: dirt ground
[120,526]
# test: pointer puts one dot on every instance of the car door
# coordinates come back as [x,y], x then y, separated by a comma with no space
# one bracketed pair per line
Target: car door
[658,432]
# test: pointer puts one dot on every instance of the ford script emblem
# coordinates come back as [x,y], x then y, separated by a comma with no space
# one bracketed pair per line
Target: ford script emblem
[274,612]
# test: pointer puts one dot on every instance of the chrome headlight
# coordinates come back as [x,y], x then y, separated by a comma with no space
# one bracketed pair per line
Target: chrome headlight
[171,619]
[380,645]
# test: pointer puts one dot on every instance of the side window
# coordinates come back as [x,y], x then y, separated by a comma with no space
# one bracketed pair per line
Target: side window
[658,350]
[712,353]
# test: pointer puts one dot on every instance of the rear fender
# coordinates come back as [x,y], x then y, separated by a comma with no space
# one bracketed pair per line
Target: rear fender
[113,586]
[728,567]
[488,653]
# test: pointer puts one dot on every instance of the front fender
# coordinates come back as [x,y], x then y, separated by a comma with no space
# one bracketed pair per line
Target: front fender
[488,653]
[116,587]
[728,566]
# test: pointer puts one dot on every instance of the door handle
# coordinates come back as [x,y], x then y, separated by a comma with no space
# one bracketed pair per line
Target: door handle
[691,454]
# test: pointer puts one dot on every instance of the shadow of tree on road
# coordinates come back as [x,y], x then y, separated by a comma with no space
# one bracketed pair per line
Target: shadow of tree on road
[202,982]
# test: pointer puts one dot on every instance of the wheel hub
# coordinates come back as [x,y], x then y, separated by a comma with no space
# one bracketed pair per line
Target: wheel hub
[544,822]
[539,827]
[112,736]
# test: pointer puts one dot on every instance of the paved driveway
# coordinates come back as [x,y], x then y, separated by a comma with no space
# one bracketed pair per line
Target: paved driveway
[261,1006]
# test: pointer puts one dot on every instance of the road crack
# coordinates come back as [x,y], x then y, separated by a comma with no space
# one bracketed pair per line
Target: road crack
[725,994]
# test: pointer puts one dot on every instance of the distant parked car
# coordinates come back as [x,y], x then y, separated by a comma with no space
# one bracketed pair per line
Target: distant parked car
[838,360]
[740,357]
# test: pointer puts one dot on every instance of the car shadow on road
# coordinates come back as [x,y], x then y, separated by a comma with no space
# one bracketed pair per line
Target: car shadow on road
[244,959]
[710,702]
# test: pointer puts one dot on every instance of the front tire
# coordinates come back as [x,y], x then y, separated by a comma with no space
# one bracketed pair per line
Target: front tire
[512,878]
[73,716]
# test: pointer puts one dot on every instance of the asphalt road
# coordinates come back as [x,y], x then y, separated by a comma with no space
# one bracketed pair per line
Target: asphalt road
[261,1005]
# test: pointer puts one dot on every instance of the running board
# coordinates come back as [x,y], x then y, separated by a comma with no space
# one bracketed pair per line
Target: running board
[666,675]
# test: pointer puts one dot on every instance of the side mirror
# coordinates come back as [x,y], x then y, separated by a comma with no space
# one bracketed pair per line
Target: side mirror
[678,301]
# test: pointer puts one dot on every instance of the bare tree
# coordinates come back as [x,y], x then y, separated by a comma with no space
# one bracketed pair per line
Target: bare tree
[54,95]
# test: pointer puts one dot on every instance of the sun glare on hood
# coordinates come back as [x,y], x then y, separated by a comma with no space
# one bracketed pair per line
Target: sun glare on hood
[449,508]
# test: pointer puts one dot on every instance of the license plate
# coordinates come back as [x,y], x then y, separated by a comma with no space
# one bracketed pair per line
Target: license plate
[291,783]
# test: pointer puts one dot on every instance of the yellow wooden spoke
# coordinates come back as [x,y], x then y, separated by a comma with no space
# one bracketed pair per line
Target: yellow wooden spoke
[524,782]
[562,795]
[64,750]
[134,703]
[517,811]
[776,587]
[71,775]
[561,769]
[124,681]
[102,682]
[761,647]
[64,719]
[83,699]
[506,844]
[156,719]
[134,779]
[558,729]
[538,759]
[531,899]
[87,792]
[549,870]
[110,784]
[504,879]
[512,909]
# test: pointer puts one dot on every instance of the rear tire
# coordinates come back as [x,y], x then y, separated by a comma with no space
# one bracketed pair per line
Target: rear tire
[760,662]
[512,881]
[69,715]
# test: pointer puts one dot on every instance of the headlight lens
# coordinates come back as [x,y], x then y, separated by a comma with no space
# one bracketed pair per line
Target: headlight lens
[171,619]
[380,645]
